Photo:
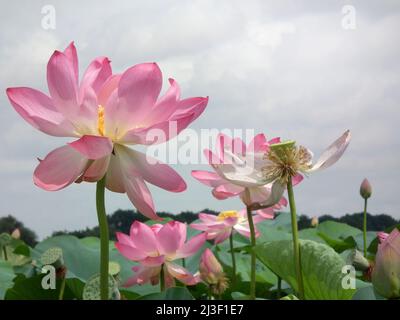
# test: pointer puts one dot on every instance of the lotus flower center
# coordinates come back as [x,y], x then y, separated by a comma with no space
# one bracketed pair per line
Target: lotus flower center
[100,120]
[227,214]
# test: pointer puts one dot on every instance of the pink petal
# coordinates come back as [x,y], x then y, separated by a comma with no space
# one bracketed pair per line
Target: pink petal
[38,110]
[124,239]
[140,196]
[114,177]
[222,236]
[333,153]
[171,237]
[97,73]
[227,190]
[274,140]
[194,106]
[62,84]
[72,56]
[97,169]
[258,144]
[59,168]
[267,213]
[93,147]
[158,133]
[192,246]
[243,230]
[166,105]
[153,261]
[210,218]
[152,170]
[180,273]
[138,91]
[129,252]
[143,275]
[143,237]
[208,178]
[109,86]
[297,179]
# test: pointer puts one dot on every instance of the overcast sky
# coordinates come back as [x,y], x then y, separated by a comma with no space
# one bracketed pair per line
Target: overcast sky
[285,68]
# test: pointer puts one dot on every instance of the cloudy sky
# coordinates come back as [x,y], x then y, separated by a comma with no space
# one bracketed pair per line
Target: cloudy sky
[286,68]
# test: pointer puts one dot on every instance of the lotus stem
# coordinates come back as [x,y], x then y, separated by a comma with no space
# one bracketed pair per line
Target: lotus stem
[279,287]
[5,252]
[162,279]
[365,227]
[104,238]
[233,260]
[252,251]
[296,244]
[62,289]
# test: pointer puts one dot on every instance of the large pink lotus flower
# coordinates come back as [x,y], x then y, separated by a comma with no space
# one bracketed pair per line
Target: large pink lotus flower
[237,171]
[386,272]
[155,248]
[106,112]
[220,227]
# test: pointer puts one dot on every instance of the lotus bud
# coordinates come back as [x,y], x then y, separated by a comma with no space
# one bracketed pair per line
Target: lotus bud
[16,234]
[314,222]
[211,272]
[358,261]
[365,189]
[386,272]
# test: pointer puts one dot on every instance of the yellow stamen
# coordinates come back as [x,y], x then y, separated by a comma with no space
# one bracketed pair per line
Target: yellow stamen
[227,214]
[100,120]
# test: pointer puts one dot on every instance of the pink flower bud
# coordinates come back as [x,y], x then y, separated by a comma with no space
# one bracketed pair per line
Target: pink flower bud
[314,222]
[386,272]
[365,189]
[211,272]
[16,234]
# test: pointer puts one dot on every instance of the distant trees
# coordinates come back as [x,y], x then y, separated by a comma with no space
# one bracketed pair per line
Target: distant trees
[121,221]
[9,223]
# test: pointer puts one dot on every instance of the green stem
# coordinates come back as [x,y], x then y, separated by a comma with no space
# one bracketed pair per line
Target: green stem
[233,260]
[61,294]
[162,279]
[365,227]
[296,244]
[183,262]
[5,252]
[104,240]
[279,287]
[252,252]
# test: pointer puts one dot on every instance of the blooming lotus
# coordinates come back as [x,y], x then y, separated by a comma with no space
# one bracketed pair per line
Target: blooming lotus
[156,248]
[237,171]
[220,227]
[106,112]
[386,272]
[211,272]
[286,161]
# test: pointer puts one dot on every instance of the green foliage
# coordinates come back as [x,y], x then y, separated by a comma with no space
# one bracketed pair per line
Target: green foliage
[322,268]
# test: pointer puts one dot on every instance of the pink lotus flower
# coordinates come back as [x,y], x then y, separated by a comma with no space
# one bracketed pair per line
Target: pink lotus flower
[106,112]
[211,272]
[220,227]
[237,171]
[155,248]
[386,272]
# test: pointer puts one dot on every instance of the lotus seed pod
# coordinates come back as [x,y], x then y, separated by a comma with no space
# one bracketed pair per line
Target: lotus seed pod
[365,189]
[54,257]
[16,234]
[91,291]
[314,222]
[358,261]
